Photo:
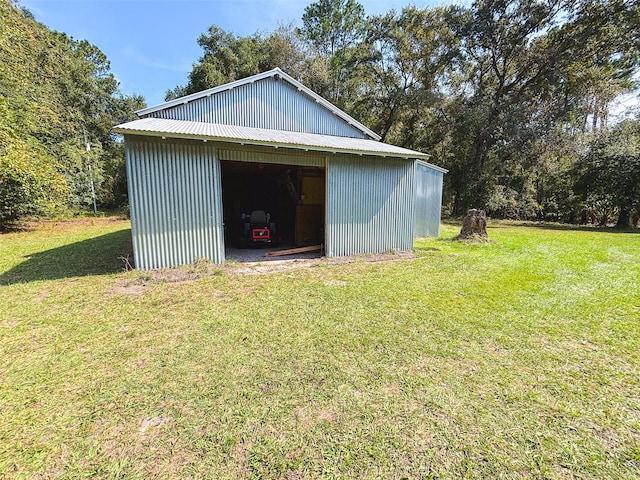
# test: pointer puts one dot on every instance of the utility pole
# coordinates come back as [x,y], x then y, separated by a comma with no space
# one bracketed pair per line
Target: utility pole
[87,147]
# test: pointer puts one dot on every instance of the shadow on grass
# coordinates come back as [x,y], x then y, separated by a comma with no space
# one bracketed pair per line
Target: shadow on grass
[95,256]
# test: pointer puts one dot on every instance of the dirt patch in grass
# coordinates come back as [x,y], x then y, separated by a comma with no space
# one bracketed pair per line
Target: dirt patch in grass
[127,289]
[308,417]
[240,453]
[257,268]
[151,422]
[205,268]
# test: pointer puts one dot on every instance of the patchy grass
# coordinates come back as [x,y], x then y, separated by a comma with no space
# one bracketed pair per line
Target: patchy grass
[517,358]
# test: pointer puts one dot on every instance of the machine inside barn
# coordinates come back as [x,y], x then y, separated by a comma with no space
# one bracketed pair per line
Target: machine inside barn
[293,196]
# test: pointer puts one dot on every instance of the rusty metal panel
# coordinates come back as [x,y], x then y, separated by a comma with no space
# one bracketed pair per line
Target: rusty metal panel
[428,200]
[266,103]
[370,205]
[175,198]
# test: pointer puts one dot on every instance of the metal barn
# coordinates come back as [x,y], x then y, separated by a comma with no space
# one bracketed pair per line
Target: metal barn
[199,164]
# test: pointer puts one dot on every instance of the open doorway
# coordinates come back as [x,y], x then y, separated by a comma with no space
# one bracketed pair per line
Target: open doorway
[288,201]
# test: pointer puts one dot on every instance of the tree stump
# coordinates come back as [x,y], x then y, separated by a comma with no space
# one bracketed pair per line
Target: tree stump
[474,225]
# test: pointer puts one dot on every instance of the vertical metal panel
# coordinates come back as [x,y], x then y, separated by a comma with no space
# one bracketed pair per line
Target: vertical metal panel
[428,201]
[175,197]
[266,103]
[369,205]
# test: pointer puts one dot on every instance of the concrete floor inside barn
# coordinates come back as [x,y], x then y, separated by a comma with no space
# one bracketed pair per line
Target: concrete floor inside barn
[258,254]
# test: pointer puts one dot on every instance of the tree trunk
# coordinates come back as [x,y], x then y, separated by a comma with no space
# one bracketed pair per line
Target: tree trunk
[474,225]
[623,218]
[584,216]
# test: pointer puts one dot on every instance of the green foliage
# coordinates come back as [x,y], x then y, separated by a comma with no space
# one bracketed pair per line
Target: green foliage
[505,202]
[29,183]
[520,80]
[227,58]
[56,94]
[334,26]
[608,176]
[335,31]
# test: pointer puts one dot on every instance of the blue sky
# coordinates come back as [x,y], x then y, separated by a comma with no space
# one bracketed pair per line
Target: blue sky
[152,44]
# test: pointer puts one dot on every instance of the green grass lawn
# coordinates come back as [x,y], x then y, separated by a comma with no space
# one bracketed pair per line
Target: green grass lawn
[514,359]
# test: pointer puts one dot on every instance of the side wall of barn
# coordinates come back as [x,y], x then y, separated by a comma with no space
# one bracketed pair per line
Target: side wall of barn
[428,200]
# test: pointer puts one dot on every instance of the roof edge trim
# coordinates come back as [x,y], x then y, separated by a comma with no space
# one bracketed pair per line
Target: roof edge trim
[254,78]
[262,143]
[431,165]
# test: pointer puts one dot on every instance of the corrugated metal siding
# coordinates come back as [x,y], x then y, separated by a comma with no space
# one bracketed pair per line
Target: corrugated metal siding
[261,155]
[264,137]
[176,202]
[266,103]
[428,201]
[369,205]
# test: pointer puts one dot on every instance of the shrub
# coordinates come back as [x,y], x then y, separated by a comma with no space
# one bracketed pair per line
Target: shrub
[29,182]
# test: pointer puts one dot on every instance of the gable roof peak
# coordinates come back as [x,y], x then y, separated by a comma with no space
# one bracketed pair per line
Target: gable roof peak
[276,73]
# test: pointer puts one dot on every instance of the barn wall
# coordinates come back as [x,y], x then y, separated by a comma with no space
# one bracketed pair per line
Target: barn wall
[175,199]
[369,205]
[266,103]
[428,200]
[248,153]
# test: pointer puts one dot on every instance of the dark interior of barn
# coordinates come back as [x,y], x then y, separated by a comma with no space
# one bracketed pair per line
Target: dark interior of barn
[292,196]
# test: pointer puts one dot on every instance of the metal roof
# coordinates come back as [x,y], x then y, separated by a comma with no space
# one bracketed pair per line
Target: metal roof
[276,73]
[160,127]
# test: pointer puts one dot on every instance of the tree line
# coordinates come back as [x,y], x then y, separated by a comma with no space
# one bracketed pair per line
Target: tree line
[58,103]
[512,97]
